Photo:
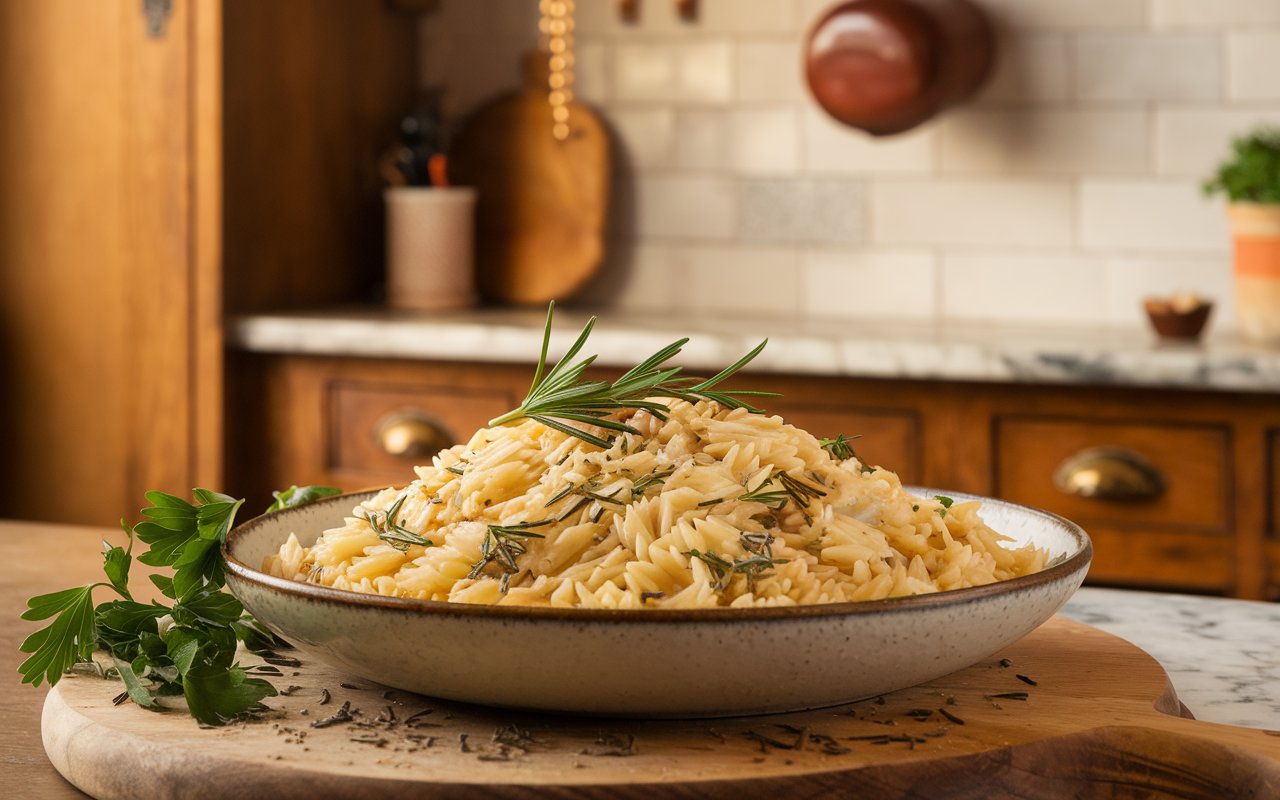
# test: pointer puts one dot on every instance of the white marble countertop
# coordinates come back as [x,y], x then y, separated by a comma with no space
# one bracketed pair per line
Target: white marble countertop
[1223,656]
[815,347]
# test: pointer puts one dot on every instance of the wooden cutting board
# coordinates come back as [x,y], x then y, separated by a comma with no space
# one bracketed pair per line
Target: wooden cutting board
[540,212]
[1098,721]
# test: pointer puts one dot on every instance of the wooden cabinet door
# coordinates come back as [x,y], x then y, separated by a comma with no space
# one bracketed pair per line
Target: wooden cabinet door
[108,227]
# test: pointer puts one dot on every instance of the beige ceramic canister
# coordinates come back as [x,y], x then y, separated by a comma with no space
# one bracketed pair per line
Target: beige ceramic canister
[1256,229]
[430,247]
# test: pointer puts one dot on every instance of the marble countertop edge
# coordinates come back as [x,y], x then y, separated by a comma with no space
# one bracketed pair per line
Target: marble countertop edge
[815,347]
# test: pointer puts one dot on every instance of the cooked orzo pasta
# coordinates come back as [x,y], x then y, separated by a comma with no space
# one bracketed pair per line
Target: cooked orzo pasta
[711,507]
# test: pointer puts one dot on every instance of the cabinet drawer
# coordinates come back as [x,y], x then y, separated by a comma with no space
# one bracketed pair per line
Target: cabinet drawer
[888,437]
[369,422]
[1178,538]
[1193,462]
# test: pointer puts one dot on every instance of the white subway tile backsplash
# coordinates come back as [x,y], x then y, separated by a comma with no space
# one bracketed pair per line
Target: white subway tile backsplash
[645,136]
[834,149]
[1142,66]
[591,72]
[751,279]
[1194,141]
[1067,14]
[802,211]
[1131,281]
[1214,13]
[601,18]
[1032,68]
[684,206]
[705,72]
[644,71]
[655,71]
[972,212]
[702,138]
[1157,215]
[638,276]
[1022,289]
[870,284]
[764,141]
[1254,65]
[748,16]
[1065,191]
[1097,141]
[771,72]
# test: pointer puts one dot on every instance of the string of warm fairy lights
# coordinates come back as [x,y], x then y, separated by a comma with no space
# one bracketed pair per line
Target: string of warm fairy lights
[557,26]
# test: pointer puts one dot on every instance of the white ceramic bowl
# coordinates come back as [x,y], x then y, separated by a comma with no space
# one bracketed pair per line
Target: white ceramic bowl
[653,663]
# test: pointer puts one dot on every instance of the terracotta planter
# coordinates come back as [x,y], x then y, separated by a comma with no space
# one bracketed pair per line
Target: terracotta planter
[1256,228]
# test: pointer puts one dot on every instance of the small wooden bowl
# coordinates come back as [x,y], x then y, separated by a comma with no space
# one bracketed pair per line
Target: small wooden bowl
[1171,323]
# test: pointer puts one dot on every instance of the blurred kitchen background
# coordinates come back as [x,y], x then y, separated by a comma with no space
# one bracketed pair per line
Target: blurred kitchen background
[194,248]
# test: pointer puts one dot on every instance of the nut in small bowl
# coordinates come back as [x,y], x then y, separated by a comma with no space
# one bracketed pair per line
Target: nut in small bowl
[1180,317]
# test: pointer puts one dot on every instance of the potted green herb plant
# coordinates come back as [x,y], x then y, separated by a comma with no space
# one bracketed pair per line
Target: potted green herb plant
[1250,179]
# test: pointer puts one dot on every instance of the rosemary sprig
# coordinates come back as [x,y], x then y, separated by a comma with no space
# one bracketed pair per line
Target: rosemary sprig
[767,494]
[392,532]
[652,479]
[840,448]
[560,495]
[758,547]
[798,490]
[503,543]
[562,396]
[800,493]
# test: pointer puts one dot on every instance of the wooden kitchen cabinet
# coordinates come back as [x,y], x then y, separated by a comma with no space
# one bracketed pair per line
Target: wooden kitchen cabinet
[1211,527]
[157,172]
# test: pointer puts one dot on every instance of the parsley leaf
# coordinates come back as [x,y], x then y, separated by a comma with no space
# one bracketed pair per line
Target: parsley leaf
[217,695]
[300,496]
[68,640]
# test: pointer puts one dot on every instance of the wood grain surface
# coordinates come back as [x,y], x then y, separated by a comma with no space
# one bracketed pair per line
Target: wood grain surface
[1068,711]
[39,558]
[541,209]
[98,256]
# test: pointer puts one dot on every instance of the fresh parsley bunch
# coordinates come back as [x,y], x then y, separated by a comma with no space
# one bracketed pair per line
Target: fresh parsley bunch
[186,648]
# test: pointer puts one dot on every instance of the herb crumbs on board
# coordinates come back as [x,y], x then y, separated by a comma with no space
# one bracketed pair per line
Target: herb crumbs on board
[325,697]
[950,716]
[1026,680]
[612,744]
[341,715]
[416,718]
[1008,696]
[279,660]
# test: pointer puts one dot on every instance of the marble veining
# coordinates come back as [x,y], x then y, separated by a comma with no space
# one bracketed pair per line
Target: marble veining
[1223,656]
[797,346]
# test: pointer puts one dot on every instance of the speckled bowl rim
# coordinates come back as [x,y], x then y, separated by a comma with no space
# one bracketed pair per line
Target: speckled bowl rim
[1076,562]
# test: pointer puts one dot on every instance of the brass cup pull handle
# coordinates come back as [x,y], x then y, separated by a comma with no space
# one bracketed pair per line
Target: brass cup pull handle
[412,434]
[1109,473]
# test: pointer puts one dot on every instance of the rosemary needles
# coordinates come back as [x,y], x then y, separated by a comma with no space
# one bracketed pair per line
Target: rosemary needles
[562,396]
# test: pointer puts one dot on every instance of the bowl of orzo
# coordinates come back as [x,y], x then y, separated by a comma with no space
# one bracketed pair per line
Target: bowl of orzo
[705,560]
